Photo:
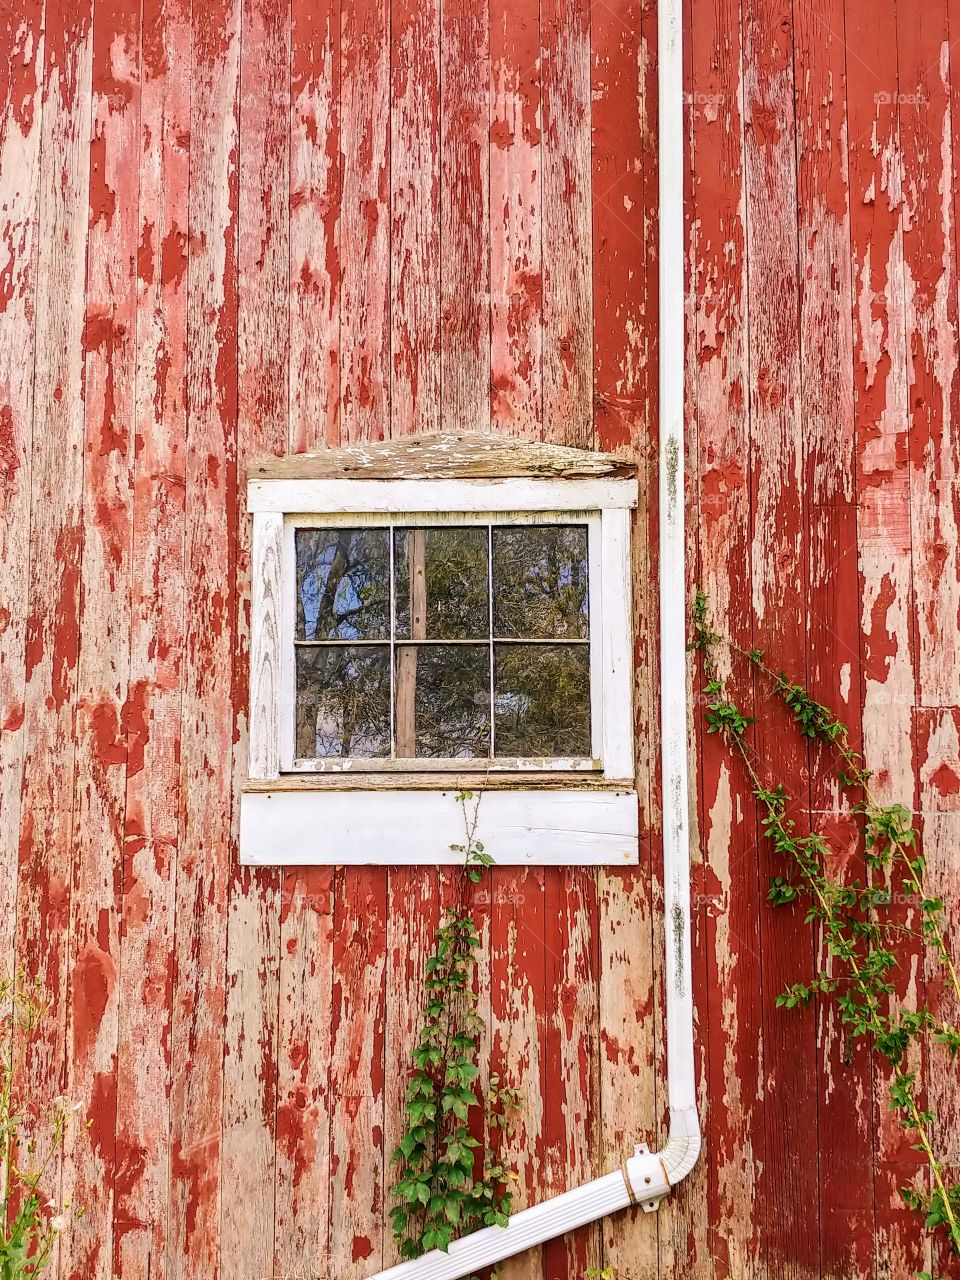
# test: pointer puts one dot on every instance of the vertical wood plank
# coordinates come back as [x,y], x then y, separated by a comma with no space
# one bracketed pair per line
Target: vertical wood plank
[415,216]
[52,633]
[365,220]
[465,216]
[304,1097]
[418,897]
[938,757]
[21,31]
[151,836]
[728,885]
[571,1060]
[315,169]
[623,93]
[566,158]
[199,1006]
[253,940]
[883,508]
[826,337]
[517,1009]
[304,1102]
[355,1185]
[516,209]
[930,298]
[357,1072]
[933,429]
[779,571]
[103,706]
[358,945]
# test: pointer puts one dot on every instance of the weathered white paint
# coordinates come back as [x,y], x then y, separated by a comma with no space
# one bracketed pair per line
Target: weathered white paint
[520,828]
[613,647]
[401,496]
[683,1145]
[265,646]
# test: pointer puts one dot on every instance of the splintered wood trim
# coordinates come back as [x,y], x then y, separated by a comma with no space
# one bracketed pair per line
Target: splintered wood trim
[400,828]
[476,780]
[472,456]
[432,764]
[332,496]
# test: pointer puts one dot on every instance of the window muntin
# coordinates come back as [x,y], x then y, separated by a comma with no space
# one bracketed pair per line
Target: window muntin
[423,642]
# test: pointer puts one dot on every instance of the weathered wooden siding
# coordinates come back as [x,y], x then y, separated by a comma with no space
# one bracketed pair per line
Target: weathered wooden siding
[249,226]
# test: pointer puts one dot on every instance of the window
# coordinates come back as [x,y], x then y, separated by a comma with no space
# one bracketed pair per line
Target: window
[440,642]
[413,635]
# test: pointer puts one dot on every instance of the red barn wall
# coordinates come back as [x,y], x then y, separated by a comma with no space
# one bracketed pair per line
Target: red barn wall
[233,228]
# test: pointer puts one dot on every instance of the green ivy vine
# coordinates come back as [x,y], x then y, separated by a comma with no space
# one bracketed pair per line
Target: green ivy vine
[32,1135]
[859,938]
[449,1180]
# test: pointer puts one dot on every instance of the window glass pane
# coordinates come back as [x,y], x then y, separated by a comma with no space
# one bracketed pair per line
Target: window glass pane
[542,700]
[443,701]
[343,584]
[442,591]
[343,700]
[540,582]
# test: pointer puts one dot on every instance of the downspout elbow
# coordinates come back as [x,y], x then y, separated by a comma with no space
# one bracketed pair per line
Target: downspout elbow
[682,1150]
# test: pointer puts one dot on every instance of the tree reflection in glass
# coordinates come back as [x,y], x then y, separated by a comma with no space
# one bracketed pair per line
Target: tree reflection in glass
[343,584]
[343,701]
[542,700]
[540,582]
[451,704]
[453,565]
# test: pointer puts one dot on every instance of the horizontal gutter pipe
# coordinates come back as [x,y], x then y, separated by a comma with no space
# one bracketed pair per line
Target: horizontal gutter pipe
[645,1177]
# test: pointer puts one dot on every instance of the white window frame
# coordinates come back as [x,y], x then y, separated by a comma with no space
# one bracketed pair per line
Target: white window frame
[561,811]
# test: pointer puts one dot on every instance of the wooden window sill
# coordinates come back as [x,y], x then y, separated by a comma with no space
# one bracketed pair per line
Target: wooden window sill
[564,820]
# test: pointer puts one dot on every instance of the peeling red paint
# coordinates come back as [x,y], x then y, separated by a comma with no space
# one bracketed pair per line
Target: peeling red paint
[945,780]
[362,1248]
[94,975]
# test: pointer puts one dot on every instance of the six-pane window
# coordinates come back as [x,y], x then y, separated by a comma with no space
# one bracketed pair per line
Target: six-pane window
[445,642]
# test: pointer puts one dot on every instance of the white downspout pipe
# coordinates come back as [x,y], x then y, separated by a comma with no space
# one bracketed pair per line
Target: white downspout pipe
[645,1177]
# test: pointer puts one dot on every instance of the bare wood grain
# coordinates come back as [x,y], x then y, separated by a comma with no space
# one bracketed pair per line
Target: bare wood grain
[471,456]
[357,1066]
